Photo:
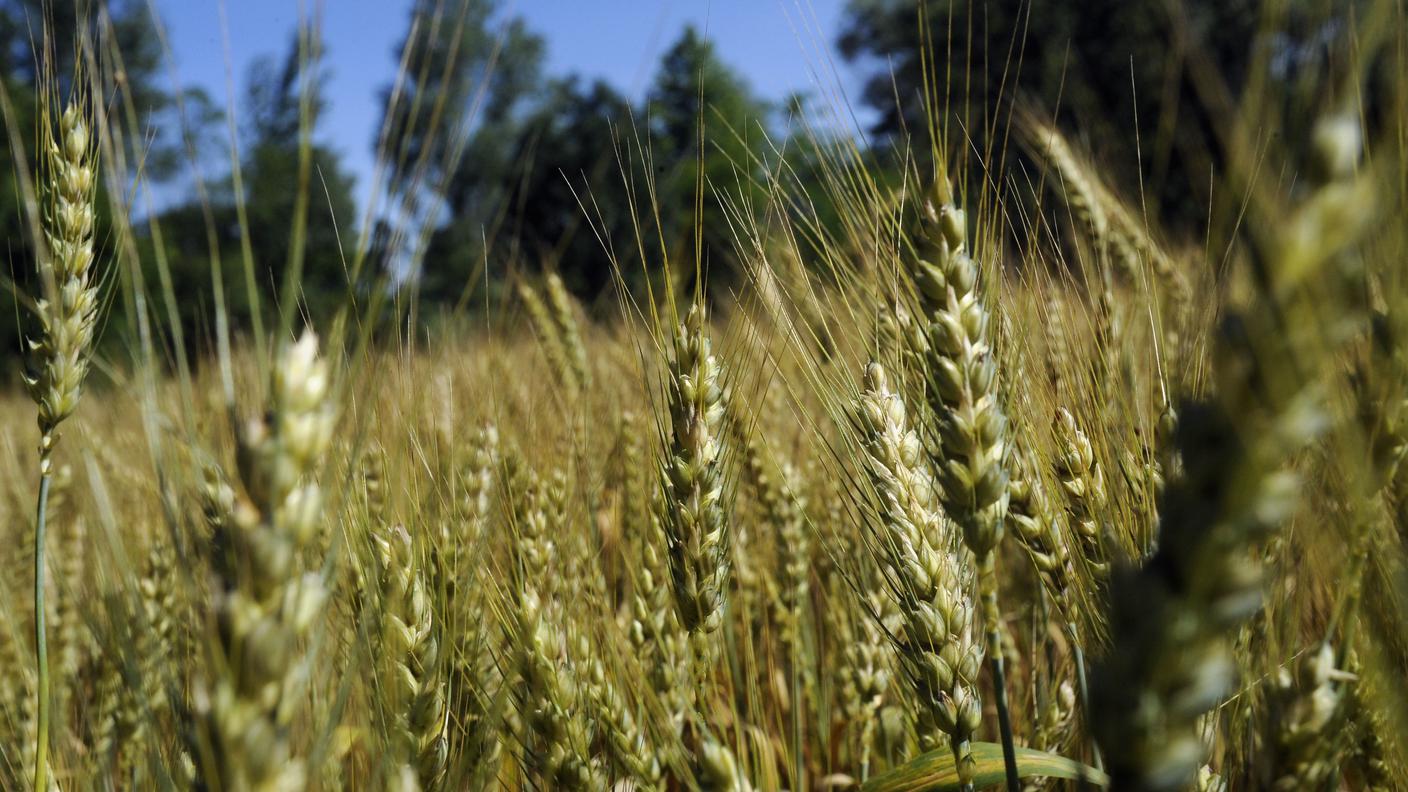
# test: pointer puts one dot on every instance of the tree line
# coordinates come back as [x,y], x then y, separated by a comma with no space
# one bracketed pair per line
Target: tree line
[510,170]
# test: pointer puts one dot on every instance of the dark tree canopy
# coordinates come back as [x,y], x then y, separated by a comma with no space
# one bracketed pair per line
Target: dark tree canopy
[23,24]
[1098,65]
[562,157]
[694,87]
[283,102]
[544,174]
[461,67]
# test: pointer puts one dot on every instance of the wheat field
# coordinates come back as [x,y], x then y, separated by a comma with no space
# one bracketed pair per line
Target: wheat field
[909,505]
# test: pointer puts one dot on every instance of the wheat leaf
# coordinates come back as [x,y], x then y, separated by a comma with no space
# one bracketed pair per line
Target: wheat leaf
[935,772]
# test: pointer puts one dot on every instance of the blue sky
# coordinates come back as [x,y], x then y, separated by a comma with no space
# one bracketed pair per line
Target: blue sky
[779,45]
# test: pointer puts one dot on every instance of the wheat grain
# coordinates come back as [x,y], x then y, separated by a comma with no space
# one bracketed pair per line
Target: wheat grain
[1083,484]
[935,643]
[1305,721]
[625,740]
[266,603]
[411,640]
[68,312]
[565,320]
[695,523]
[549,695]
[559,357]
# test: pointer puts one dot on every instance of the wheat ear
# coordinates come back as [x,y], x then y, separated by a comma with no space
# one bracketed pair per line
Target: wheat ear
[554,347]
[1083,484]
[266,601]
[549,695]
[970,448]
[1306,718]
[692,481]
[565,320]
[59,354]
[935,642]
[412,644]
[1171,661]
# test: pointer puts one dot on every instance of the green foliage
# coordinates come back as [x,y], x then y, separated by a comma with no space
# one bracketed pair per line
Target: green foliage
[1108,67]
[935,771]
[543,178]
[278,114]
[456,59]
[22,22]
[706,135]
[561,159]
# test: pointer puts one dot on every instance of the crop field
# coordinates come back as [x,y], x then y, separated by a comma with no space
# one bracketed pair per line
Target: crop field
[976,455]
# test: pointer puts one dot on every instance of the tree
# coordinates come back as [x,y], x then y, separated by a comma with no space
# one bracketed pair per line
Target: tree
[283,102]
[462,71]
[459,69]
[562,155]
[706,133]
[1100,65]
[131,33]
[128,29]
[571,177]
[541,180]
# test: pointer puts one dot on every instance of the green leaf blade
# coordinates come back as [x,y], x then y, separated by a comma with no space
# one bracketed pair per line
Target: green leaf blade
[935,770]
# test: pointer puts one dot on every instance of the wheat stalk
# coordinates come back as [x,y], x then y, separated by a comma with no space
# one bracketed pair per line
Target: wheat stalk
[1110,223]
[692,482]
[935,643]
[625,740]
[970,433]
[1305,720]
[266,602]
[550,696]
[1171,662]
[565,320]
[864,672]
[659,640]
[555,348]
[1083,484]
[67,316]
[412,645]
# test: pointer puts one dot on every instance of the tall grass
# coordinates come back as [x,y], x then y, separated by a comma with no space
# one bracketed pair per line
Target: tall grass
[749,539]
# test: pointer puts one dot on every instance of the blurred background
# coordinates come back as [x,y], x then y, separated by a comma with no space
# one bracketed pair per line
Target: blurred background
[555,135]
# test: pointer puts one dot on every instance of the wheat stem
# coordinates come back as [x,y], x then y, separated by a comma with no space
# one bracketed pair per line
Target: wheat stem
[987,587]
[41,643]
[1083,689]
[67,316]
